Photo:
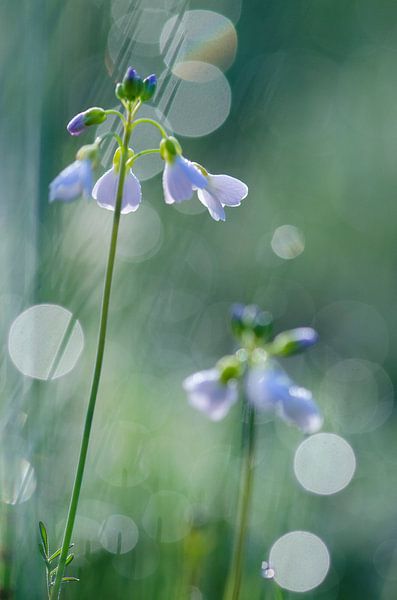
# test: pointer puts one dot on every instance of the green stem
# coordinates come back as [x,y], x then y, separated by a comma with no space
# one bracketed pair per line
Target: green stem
[97,370]
[131,160]
[247,477]
[151,122]
[113,111]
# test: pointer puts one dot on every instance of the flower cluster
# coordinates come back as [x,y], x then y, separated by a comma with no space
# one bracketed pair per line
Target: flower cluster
[181,177]
[266,385]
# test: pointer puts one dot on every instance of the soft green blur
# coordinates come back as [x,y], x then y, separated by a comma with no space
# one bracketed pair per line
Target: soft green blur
[313,131]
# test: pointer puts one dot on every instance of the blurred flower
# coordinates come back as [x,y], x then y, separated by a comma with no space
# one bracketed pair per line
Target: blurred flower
[209,394]
[220,191]
[179,178]
[270,389]
[74,181]
[91,116]
[105,191]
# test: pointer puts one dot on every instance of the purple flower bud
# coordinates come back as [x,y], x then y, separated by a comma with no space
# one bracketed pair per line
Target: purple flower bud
[77,125]
[91,116]
[149,88]
[132,84]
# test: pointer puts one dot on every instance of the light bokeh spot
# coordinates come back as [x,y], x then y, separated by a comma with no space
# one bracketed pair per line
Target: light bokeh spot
[17,479]
[45,341]
[118,534]
[288,242]
[200,35]
[300,561]
[324,463]
[197,104]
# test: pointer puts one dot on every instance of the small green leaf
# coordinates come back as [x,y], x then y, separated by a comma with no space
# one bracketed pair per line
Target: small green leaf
[44,536]
[69,579]
[69,559]
[57,553]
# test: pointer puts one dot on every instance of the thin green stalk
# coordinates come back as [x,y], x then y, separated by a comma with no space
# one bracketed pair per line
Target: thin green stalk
[151,122]
[236,568]
[55,593]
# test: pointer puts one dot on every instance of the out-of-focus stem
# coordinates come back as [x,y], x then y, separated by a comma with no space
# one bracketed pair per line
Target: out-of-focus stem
[233,584]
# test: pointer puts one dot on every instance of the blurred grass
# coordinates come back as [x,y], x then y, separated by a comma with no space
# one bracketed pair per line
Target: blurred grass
[313,131]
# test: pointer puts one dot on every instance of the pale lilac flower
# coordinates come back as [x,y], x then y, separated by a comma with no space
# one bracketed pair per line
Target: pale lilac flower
[74,181]
[209,394]
[220,191]
[270,389]
[105,191]
[179,178]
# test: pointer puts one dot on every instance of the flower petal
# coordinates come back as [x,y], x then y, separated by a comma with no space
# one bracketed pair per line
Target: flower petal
[300,409]
[207,394]
[72,182]
[132,194]
[105,191]
[228,190]
[215,208]
[179,178]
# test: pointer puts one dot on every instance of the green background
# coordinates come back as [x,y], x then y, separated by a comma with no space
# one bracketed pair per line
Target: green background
[313,131]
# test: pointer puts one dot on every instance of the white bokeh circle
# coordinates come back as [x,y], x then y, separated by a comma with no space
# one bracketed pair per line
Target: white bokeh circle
[45,341]
[118,534]
[288,242]
[300,561]
[324,463]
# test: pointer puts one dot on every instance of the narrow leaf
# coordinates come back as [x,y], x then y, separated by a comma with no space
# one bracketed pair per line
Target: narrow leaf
[58,552]
[69,559]
[43,554]
[69,579]
[44,536]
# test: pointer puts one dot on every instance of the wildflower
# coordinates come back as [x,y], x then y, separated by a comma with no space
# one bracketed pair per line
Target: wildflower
[180,175]
[209,394]
[220,191]
[270,389]
[74,181]
[105,191]
[91,116]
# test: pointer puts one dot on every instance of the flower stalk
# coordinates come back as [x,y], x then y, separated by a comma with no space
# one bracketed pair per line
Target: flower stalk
[55,592]
[233,584]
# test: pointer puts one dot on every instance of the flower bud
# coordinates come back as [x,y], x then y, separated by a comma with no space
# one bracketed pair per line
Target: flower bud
[132,85]
[293,341]
[170,148]
[119,91]
[149,88]
[91,116]
[252,321]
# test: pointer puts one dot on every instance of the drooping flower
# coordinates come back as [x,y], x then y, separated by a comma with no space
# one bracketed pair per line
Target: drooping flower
[270,389]
[180,176]
[91,116]
[221,191]
[105,191]
[209,394]
[74,181]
